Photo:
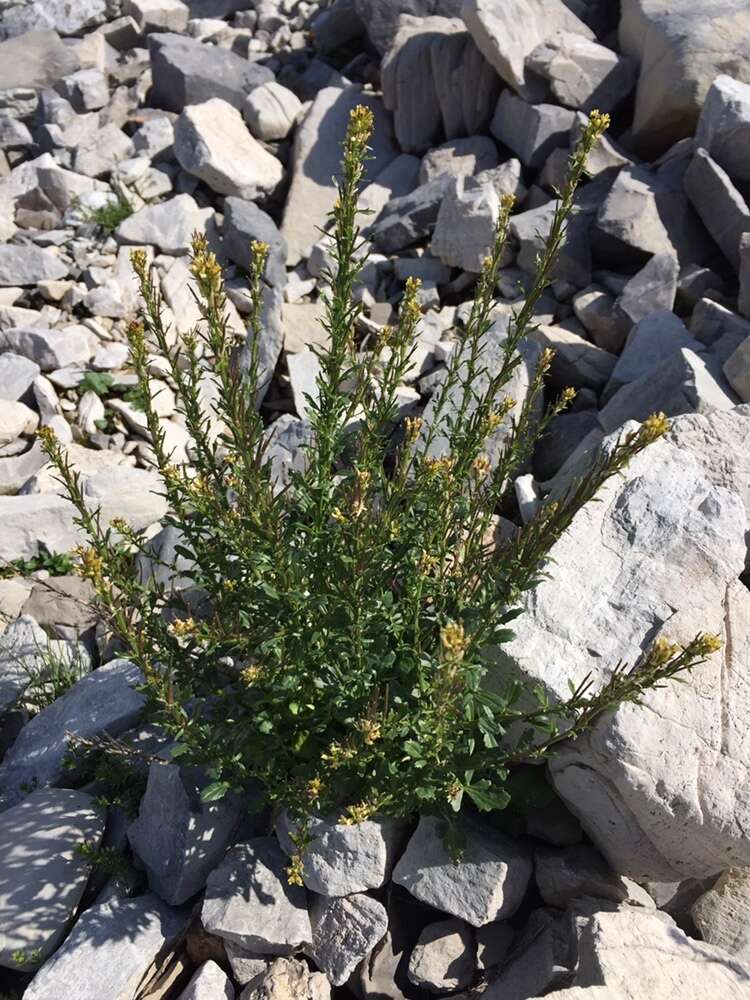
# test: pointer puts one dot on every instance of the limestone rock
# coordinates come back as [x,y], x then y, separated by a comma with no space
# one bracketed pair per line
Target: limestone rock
[653,288]
[720,205]
[651,342]
[722,915]
[17,373]
[36,59]
[583,74]
[210,982]
[271,111]
[288,979]
[27,265]
[152,15]
[58,15]
[724,126]
[532,131]
[344,932]
[737,370]
[465,225]
[577,362]
[49,349]
[16,419]
[563,875]
[245,222]
[33,521]
[444,958]
[168,225]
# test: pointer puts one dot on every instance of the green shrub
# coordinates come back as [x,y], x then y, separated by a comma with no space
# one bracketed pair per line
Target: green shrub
[108,217]
[337,653]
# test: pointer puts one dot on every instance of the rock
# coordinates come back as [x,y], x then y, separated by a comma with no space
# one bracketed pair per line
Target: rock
[647,213]
[532,131]
[488,884]
[109,951]
[541,959]
[27,265]
[370,849]
[444,958]
[681,50]
[493,944]
[23,645]
[155,138]
[49,349]
[580,871]
[576,362]
[636,954]
[465,226]
[411,218]
[31,522]
[212,142]
[86,90]
[583,74]
[14,134]
[652,289]
[177,837]
[651,342]
[208,983]
[155,15]
[245,222]
[685,383]
[459,158]
[42,876]
[17,374]
[100,153]
[303,327]
[315,160]
[530,230]
[168,225]
[397,179]
[16,419]
[506,34]
[17,469]
[186,71]
[246,966]
[304,369]
[289,979]
[344,932]
[250,901]
[724,126]
[684,498]
[271,111]
[737,370]
[720,205]
[562,437]
[36,60]
[101,702]
[721,914]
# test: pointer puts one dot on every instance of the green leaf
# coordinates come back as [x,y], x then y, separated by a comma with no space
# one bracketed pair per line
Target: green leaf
[488,799]
[215,791]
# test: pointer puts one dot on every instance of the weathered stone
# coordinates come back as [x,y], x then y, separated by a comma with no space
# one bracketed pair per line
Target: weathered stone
[288,979]
[16,419]
[245,222]
[110,951]
[54,14]
[576,362]
[530,230]
[155,15]
[210,982]
[246,966]
[720,205]
[411,218]
[17,374]
[168,225]
[724,126]
[102,701]
[444,959]
[651,342]
[303,327]
[23,645]
[249,900]
[271,111]
[344,932]
[186,71]
[100,153]
[466,223]
[49,349]
[30,522]
[532,131]
[17,469]
[370,849]
[681,48]
[722,915]
[459,158]
[653,288]
[212,142]
[315,162]
[488,884]
[507,33]
[42,875]
[581,73]
[564,434]
[86,90]
[541,959]
[737,370]
[580,871]
[26,265]
[36,60]
[397,179]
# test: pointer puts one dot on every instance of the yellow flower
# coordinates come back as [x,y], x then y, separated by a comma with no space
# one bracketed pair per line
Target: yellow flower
[481,466]
[412,428]
[91,566]
[295,870]
[567,396]
[338,515]
[598,124]
[314,788]
[454,641]
[661,652]
[251,674]
[427,563]
[357,814]
[654,427]
[708,643]
[370,730]
[180,628]
[337,755]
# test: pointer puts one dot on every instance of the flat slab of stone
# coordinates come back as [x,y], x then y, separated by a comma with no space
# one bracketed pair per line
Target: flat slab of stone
[27,265]
[42,877]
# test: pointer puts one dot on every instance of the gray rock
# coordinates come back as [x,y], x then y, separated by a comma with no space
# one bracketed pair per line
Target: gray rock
[42,876]
[653,288]
[459,158]
[304,369]
[211,141]
[530,230]
[36,60]
[250,901]
[101,151]
[284,440]
[685,383]
[563,875]
[370,849]
[153,15]
[22,646]
[110,951]
[541,959]
[187,71]
[14,134]
[411,218]
[210,982]
[651,342]
[49,349]
[488,884]
[155,138]
[271,111]
[53,14]
[399,178]
[719,204]
[30,522]
[507,33]
[168,225]
[562,437]
[722,915]
[247,967]
[737,370]
[303,325]
[466,223]
[583,74]
[743,302]
[724,126]
[27,265]
[288,979]
[17,469]
[493,944]
[102,701]
[315,161]
[445,957]
[381,17]
[177,837]
[344,932]
[245,222]
[681,48]
[577,362]
[17,374]
[532,131]
[86,90]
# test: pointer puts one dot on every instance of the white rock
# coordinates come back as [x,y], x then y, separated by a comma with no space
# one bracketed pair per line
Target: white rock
[445,957]
[288,979]
[26,265]
[583,74]
[17,374]
[465,225]
[344,932]
[722,915]
[49,349]
[271,111]
[16,419]
[151,15]
[42,875]
[210,982]
[212,142]
[168,225]
[100,153]
[30,521]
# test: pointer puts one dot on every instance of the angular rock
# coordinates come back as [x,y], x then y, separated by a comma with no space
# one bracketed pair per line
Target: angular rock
[651,342]
[187,71]
[17,469]
[16,419]
[399,178]
[168,225]
[49,349]
[177,837]
[102,701]
[344,932]
[17,374]
[370,849]
[271,111]
[42,876]
[245,222]
[542,958]
[288,979]
[411,218]
[724,126]
[530,230]
[86,90]
[459,158]
[720,205]
[35,60]
[576,362]
[32,522]
[100,152]
[580,871]
[110,950]
[488,884]
[507,33]
[22,647]
[722,915]
[27,265]
[210,982]
[303,325]
[532,131]
[212,142]
[653,288]
[445,957]
[315,161]
[246,966]
[154,15]
[737,370]
[466,223]
[583,74]
[250,901]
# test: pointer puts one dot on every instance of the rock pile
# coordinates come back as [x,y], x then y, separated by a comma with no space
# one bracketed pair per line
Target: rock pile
[135,123]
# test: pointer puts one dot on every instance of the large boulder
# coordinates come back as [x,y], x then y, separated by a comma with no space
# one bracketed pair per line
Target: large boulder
[661,789]
[682,47]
